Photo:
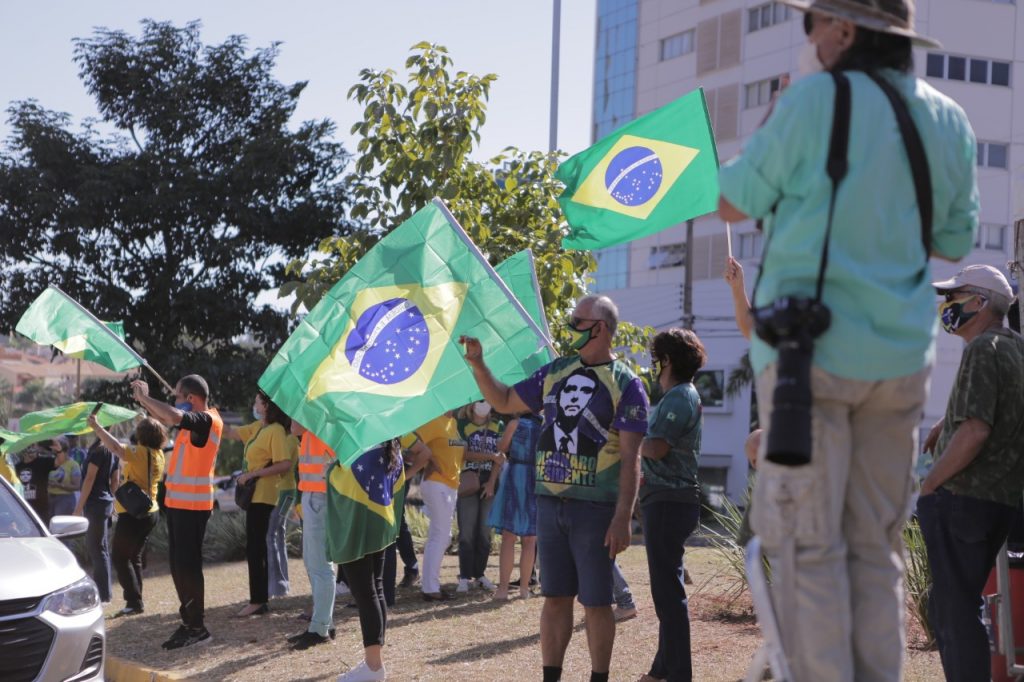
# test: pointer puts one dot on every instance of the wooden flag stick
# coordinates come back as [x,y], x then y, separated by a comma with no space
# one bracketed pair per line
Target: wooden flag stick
[170,389]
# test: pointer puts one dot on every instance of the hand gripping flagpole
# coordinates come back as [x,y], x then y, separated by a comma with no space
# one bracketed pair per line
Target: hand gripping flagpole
[118,339]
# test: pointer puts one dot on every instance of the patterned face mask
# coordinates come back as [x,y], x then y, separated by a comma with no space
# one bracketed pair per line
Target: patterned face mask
[952,315]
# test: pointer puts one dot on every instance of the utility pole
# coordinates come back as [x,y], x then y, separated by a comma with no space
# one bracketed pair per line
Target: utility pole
[688,279]
[556,23]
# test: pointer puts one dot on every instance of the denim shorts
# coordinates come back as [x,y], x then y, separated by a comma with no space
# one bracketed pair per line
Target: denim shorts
[570,542]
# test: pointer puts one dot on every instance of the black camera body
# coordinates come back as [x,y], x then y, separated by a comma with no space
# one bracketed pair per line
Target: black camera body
[790,324]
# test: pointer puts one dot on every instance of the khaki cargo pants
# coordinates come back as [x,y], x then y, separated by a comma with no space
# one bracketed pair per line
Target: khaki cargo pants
[832,529]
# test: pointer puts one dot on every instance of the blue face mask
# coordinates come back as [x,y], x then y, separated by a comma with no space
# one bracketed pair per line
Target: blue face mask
[256,415]
[184,406]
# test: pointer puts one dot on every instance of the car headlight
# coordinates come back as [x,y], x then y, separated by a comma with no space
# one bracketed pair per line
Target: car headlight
[76,598]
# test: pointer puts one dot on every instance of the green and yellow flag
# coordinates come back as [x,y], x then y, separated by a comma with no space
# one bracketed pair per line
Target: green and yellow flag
[364,506]
[652,173]
[55,319]
[379,354]
[35,427]
[520,274]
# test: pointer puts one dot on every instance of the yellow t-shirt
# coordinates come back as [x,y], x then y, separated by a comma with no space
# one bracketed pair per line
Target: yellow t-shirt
[442,437]
[133,468]
[265,445]
[287,482]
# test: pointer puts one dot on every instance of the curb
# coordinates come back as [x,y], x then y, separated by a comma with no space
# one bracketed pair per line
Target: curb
[121,670]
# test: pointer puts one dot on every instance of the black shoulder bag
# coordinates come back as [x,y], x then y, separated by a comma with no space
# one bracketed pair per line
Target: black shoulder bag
[136,501]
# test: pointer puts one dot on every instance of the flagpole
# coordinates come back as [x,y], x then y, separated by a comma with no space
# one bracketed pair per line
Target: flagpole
[118,339]
[688,278]
[556,22]
[728,238]
[475,250]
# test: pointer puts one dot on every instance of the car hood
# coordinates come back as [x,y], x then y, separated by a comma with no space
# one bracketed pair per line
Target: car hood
[33,567]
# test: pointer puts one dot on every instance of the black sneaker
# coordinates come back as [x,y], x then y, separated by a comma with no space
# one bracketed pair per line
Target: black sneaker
[129,611]
[192,636]
[174,642]
[409,579]
[307,640]
[331,632]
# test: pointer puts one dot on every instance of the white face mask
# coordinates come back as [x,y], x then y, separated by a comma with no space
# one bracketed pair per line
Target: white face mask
[482,408]
[808,62]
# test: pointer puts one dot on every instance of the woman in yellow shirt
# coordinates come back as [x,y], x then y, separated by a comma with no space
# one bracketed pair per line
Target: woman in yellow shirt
[268,454]
[277,529]
[439,442]
[143,465]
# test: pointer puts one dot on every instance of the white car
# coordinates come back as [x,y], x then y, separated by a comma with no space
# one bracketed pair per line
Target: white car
[51,619]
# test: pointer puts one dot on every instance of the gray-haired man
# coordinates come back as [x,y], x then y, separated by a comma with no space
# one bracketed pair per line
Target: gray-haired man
[970,495]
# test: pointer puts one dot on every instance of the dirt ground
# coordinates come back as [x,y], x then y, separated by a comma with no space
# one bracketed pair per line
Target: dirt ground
[471,638]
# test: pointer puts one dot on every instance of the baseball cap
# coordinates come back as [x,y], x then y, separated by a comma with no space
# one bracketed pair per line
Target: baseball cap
[978,276]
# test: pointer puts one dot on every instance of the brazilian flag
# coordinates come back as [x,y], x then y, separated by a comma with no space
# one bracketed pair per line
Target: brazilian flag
[57,421]
[652,173]
[520,274]
[56,319]
[364,506]
[379,354]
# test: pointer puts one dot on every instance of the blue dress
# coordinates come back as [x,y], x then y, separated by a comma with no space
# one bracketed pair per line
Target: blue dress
[515,504]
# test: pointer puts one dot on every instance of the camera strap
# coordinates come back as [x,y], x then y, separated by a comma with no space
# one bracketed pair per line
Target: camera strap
[837,166]
[918,159]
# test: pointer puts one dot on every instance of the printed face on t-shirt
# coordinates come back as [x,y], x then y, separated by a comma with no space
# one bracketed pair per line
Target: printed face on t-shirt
[575,395]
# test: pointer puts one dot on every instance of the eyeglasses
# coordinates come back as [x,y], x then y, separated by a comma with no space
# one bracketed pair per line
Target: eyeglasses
[961,294]
[574,321]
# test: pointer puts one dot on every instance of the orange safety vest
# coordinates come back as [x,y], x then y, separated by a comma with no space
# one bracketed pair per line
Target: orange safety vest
[313,457]
[190,469]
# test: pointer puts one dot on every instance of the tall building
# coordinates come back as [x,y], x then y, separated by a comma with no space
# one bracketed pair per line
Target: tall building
[650,52]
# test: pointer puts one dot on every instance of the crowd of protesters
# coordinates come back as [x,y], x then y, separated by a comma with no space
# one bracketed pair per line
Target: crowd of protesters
[561,460]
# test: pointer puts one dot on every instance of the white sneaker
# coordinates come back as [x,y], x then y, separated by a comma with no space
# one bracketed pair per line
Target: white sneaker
[341,589]
[463,585]
[485,583]
[362,673]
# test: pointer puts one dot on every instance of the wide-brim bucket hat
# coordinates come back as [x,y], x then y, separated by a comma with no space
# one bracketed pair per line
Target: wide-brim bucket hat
[885,16]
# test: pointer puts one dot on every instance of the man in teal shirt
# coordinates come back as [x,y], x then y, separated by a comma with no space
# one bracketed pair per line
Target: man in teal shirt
[832,528]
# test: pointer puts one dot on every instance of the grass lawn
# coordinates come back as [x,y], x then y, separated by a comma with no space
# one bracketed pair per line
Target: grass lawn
[471,638]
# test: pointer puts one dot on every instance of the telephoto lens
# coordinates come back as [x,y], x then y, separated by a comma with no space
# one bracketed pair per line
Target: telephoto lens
[789,437]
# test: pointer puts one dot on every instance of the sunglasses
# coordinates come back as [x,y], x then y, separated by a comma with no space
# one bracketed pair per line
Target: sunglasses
[574,322]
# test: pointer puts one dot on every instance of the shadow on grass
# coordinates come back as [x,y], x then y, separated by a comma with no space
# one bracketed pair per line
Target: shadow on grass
[491,649]
[411,609]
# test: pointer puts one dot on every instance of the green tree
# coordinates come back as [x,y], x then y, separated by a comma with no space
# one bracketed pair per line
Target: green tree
[177,219]
[415,142]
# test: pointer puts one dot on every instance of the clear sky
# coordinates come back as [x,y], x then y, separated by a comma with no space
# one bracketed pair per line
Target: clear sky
[327,42]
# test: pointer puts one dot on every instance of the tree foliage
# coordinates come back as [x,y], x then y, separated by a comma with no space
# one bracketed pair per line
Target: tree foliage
[415,142]
[183,211]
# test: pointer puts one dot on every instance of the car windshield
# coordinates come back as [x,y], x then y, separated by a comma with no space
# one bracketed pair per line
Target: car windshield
[15,521]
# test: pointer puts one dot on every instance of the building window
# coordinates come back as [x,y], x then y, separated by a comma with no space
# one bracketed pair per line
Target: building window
[677,45]
[668,256]
[954,68]
[748,245]
[766,15]
[993,155]
[760,93]
[612,268]
[991,237]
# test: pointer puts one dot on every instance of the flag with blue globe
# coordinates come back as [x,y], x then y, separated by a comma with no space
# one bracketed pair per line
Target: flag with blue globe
[379,354]
[652,173]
